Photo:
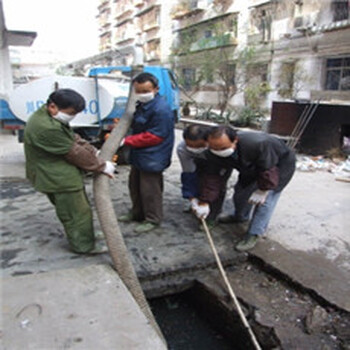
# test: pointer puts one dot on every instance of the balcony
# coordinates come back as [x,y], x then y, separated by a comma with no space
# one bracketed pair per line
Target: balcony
[122,22]
[129,35]
[103,3]
[152,38]
[147,8]
[122,11]
[193,7]
[149,26]
[104,22]
[138,3]
[213,42]
[152,56]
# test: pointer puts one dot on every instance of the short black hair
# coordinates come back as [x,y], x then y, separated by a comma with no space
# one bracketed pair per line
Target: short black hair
[144,77]
[196,132]
[220,130]
[67,98]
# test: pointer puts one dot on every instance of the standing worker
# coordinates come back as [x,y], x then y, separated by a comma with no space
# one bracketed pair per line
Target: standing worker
[55,160]
[151,143]
[265,165]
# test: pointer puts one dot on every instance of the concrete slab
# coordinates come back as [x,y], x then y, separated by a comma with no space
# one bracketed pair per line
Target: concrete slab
[84,308]
[311,271]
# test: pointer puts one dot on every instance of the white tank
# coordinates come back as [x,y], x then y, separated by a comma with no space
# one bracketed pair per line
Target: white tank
[27,98]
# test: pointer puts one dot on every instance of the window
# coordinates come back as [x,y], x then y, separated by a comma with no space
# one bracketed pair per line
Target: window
[260,24]
[338,74]
[172,80]
[208,34]
[340,10]
[189,76]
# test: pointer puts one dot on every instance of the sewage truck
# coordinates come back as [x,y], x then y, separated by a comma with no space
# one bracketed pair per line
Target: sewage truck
[105,90]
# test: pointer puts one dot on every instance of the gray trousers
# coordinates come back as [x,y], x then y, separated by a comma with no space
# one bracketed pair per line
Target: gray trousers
[146,192]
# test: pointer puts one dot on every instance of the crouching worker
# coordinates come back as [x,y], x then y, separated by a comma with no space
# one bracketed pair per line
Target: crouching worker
[203,183]
[265,165]
[55,160]
[191,148]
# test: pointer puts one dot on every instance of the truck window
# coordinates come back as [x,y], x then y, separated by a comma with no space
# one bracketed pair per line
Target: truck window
[172,80]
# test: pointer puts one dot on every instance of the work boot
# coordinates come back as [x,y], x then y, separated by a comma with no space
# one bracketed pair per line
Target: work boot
[247,243]
[145,226]
[100,247]
[230,219]
[126,217]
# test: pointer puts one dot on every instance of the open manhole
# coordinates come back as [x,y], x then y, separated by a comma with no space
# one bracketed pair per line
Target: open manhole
[203,316]
[194,320]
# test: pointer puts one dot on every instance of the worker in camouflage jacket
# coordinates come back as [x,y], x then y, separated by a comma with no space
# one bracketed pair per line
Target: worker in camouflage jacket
[55,160]
[265,166]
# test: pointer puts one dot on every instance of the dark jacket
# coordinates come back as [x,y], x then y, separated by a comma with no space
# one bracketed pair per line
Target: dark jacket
[156,118]
[259,157]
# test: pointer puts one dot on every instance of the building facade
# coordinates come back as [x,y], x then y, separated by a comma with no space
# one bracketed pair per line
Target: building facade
[125,24]
[234,52]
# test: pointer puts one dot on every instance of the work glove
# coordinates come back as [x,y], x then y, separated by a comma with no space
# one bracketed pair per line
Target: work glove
[109,169]
[201,210]
[258,197]
[194,202]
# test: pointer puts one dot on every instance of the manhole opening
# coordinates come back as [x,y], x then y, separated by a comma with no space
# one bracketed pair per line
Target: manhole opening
[195,319]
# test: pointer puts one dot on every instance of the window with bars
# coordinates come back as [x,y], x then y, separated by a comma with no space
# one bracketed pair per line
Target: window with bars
[189,77]
[338,74]
[341,10]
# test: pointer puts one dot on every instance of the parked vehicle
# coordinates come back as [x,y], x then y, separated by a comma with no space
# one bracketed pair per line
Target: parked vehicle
[105,91]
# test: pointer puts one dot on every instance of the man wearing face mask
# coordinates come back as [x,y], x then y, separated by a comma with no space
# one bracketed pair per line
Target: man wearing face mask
[151,143]
[55,159]
[265,165]
[191,152]
[192,147]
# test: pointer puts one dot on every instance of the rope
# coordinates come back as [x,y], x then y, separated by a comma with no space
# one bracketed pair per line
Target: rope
[232,294]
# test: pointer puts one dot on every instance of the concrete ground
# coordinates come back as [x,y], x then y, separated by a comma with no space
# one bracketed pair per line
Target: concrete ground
[308,240]
[85,308]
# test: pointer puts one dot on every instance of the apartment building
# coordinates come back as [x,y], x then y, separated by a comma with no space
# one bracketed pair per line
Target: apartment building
[299,49]
[124,24]
[296,49]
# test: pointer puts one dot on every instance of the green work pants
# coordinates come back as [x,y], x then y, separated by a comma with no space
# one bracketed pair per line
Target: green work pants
[75,214]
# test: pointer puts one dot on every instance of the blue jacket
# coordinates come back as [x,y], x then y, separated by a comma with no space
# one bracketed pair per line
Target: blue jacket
[157,118]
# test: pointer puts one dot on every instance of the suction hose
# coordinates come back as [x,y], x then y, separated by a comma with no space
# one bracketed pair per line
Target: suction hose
[108,219]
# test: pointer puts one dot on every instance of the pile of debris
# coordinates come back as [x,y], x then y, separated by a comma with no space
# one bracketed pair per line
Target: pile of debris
[339,167]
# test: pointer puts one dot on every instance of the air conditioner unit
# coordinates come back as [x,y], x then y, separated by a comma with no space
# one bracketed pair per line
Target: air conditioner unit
[302,22]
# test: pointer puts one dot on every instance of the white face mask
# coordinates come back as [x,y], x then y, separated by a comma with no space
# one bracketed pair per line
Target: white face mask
[196,150]
[143,98]
[223,153]
[64,117]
